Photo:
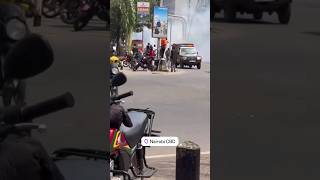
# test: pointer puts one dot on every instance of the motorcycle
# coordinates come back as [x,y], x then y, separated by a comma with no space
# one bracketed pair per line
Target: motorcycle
[69,11]
[15,28]
[127,58]
[51,8]
[147,62]
[127,157]
[88,9]
[116,61]
[27,58]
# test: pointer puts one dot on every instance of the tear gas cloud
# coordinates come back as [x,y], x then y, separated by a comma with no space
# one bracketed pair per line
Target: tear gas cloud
[198,28]
[198,31]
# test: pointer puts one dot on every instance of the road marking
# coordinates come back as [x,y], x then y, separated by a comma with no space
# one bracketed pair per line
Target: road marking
[172,155]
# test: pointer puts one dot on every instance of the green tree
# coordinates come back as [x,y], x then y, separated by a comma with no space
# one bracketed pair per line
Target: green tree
[122,21]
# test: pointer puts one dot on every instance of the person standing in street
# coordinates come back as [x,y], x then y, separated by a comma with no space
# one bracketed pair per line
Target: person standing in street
[173,59]
[134,49]
[164,43]
[168,53]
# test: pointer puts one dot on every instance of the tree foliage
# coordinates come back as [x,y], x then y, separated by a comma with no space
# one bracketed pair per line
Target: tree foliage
[123,19]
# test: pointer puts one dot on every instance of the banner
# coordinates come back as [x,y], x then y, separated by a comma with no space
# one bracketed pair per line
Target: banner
[143,11]
[160,22]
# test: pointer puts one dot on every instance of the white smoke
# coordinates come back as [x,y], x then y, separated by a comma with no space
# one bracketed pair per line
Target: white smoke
[198,26]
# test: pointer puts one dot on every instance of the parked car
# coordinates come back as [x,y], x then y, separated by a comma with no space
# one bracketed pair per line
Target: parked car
[254,7]
[186,54]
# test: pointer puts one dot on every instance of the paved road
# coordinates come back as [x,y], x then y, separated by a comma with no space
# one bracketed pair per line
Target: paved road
[79,67]
[181,101]
[266,97]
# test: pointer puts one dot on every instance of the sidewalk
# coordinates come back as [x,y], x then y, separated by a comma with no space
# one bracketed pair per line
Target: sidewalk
[167,168]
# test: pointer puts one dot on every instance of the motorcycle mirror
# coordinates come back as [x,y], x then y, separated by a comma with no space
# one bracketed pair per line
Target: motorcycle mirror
[28,57]
[118,79]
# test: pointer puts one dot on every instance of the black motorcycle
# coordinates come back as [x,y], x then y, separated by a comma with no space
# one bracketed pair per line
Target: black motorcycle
[145,62]
[69,11]
[14,28]
[127,159]
[88,9]
[23,156]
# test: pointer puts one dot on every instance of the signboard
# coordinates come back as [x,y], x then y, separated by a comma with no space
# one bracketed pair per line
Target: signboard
[160,22]
[143,11]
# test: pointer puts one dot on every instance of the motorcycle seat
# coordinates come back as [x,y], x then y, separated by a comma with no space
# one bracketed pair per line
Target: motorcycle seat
[136,132]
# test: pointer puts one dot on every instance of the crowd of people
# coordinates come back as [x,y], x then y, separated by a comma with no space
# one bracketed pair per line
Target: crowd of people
[164,53]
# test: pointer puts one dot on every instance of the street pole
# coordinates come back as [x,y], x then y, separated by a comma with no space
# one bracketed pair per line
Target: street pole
[142,38]
[158,44]
[170,32]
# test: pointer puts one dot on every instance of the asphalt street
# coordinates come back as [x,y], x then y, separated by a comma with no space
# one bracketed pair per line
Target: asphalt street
[181,101]
[266,96]
[80,68]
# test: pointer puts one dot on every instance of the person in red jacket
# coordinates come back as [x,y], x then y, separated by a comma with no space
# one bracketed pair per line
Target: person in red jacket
[164,43]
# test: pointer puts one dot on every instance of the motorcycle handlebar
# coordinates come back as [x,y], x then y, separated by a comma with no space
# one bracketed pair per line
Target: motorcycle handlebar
[15,114]
[130,93]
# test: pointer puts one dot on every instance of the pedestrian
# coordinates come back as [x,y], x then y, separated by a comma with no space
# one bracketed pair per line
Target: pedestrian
[134,49]
[173,59]
[164,43]
[148,47]
[168,57]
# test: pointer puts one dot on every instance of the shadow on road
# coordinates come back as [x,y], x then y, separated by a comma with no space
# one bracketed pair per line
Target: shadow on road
[312,33]
[244,21]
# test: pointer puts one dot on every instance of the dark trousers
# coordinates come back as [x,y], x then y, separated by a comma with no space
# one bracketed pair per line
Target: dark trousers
[163,48]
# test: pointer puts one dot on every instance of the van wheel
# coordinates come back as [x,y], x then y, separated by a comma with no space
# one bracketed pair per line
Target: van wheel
[258,16]
[199,66]
[284,14]
[230,13]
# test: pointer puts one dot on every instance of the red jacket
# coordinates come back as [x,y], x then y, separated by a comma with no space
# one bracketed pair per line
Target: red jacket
[164,42]
[151,53]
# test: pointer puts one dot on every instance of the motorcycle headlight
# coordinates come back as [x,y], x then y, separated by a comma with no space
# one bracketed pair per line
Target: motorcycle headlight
[115,71]
[16,29]
[199,58]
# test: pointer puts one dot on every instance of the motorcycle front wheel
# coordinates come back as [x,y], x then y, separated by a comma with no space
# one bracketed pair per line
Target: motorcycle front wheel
[69,11]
